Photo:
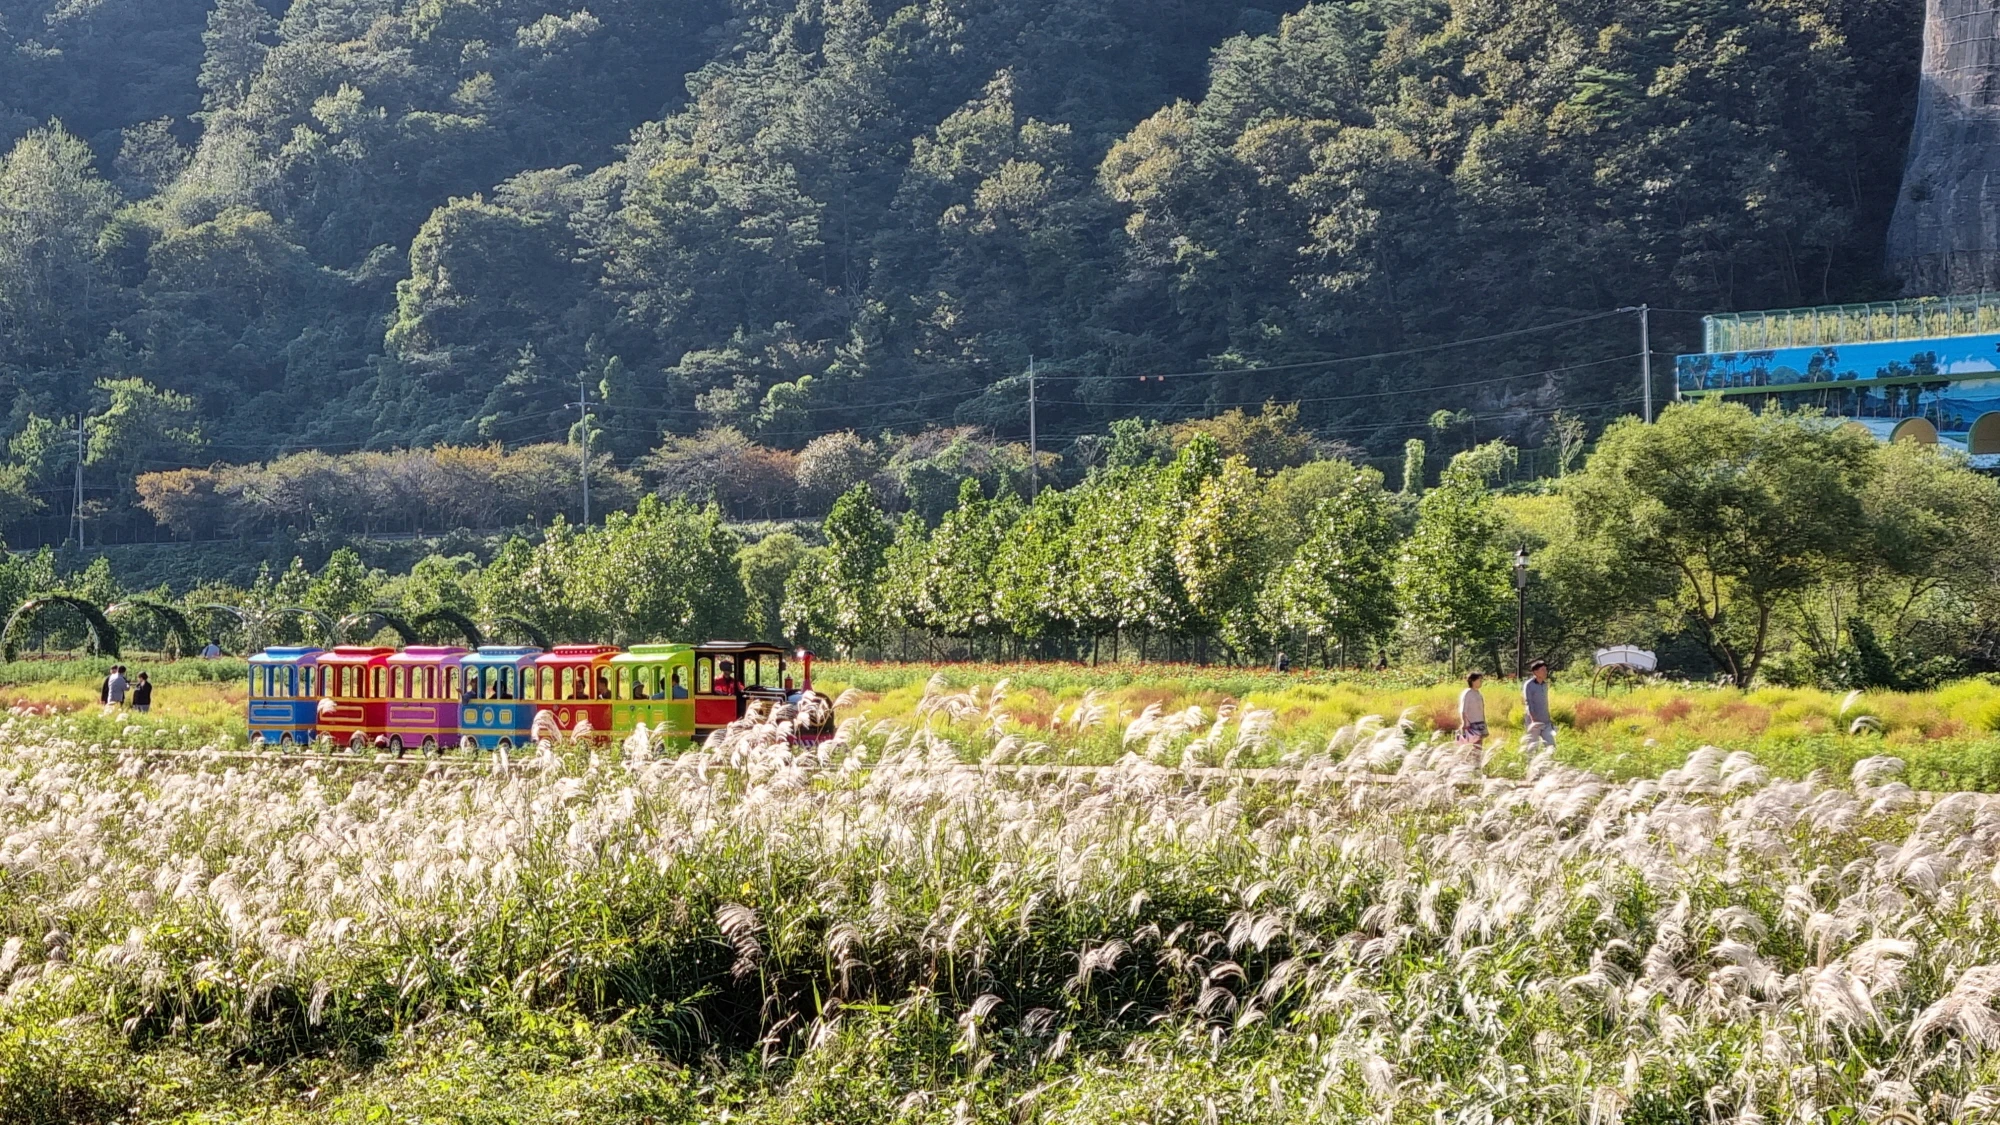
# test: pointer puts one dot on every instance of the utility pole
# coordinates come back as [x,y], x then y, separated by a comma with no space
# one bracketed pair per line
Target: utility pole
[1034,456]
[1645,355]
[583,436]
[76,508]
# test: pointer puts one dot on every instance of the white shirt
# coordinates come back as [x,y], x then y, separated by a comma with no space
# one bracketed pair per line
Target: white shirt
[1471,707]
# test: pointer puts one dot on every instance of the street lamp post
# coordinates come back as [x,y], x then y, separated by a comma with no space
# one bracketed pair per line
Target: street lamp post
[1521,612]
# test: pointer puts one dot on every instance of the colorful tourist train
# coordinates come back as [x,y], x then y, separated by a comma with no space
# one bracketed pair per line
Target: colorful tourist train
[435,697]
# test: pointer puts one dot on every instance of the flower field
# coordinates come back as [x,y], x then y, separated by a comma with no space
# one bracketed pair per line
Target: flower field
[1949,738]
[867,933]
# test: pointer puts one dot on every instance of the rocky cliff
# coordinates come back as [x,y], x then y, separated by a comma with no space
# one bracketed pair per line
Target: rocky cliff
[1945,236]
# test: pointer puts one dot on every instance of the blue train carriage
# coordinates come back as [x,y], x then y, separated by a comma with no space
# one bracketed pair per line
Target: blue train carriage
[283,708]
[495,714]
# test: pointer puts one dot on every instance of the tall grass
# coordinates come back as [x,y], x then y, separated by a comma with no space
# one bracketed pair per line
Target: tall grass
[753,934]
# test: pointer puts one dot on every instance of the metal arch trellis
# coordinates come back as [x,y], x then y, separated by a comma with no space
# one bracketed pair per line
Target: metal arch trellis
[257,621]
[522,626]
[383,618]
[179,629]
[103,634]
[243,618]
[465,626]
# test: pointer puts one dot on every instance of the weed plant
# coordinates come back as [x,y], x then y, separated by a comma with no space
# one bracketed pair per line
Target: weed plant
[753,934]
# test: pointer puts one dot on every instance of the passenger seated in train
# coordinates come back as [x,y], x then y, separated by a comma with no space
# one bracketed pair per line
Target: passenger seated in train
[680,690]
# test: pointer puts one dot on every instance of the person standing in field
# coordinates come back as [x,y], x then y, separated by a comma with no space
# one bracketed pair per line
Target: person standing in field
[1284,663]
[212,650]
[142,694]
[1535,698]
[1472,710]
[113,692]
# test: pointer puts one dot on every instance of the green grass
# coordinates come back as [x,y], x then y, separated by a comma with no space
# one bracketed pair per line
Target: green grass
[1950,737]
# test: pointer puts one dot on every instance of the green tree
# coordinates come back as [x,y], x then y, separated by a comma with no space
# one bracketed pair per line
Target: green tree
[343,586]
[1340,585]
[1035,569]
[945,579]
[142,426]
[666,572]
[234,46]
[764,568]
[442,582]
[53,207]
[1219,553]
[1413,467]
[1744,509]
[848,593]
[1452,577]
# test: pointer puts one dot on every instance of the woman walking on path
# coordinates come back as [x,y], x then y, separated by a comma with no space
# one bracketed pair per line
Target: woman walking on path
[1472,710]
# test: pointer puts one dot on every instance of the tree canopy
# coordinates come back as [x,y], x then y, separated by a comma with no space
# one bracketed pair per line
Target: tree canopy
[345,225]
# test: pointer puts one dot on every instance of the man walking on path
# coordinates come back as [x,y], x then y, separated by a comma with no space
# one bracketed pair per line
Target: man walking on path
[142,694]
[113,692]
[1472,711]
[1535,696]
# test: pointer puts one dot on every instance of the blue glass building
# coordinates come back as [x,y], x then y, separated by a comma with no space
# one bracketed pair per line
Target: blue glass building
[1923,370]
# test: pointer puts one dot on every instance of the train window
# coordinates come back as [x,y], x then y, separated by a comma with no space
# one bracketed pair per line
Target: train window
[381,679]
[431,683]
[603,684]
[398,685]
[704,675]
[753,669]
[253,682]
[505,680]
[344,686]
[291,682]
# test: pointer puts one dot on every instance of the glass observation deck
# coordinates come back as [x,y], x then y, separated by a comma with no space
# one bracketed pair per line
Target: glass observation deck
[1920,318]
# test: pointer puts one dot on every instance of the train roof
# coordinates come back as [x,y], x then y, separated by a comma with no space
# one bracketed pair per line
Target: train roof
[643,654]
[286,654]
[577,654]
[357,654]
[743,646]
[421,654]
[503,654]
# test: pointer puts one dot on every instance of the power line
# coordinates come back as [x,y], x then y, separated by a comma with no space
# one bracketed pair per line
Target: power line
[1385,394]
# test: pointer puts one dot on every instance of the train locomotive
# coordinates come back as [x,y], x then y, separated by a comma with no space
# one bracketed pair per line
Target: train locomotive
[498,697]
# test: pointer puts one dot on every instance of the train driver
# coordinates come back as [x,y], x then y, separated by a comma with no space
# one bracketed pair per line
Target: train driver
[725,678]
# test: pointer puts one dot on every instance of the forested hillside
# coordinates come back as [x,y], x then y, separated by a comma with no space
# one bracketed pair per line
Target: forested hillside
[236,230]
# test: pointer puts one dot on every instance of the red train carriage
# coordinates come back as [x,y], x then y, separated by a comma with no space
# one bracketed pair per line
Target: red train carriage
[572,686]
[423,698]
[354,694]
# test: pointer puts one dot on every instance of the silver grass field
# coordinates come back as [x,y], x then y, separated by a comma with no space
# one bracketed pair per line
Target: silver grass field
[876,931]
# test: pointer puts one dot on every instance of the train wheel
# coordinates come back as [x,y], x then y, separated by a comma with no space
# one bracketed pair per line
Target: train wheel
[396,745]
[286,741]
[257,741]
[430,747]
[505,745]
[357,743]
